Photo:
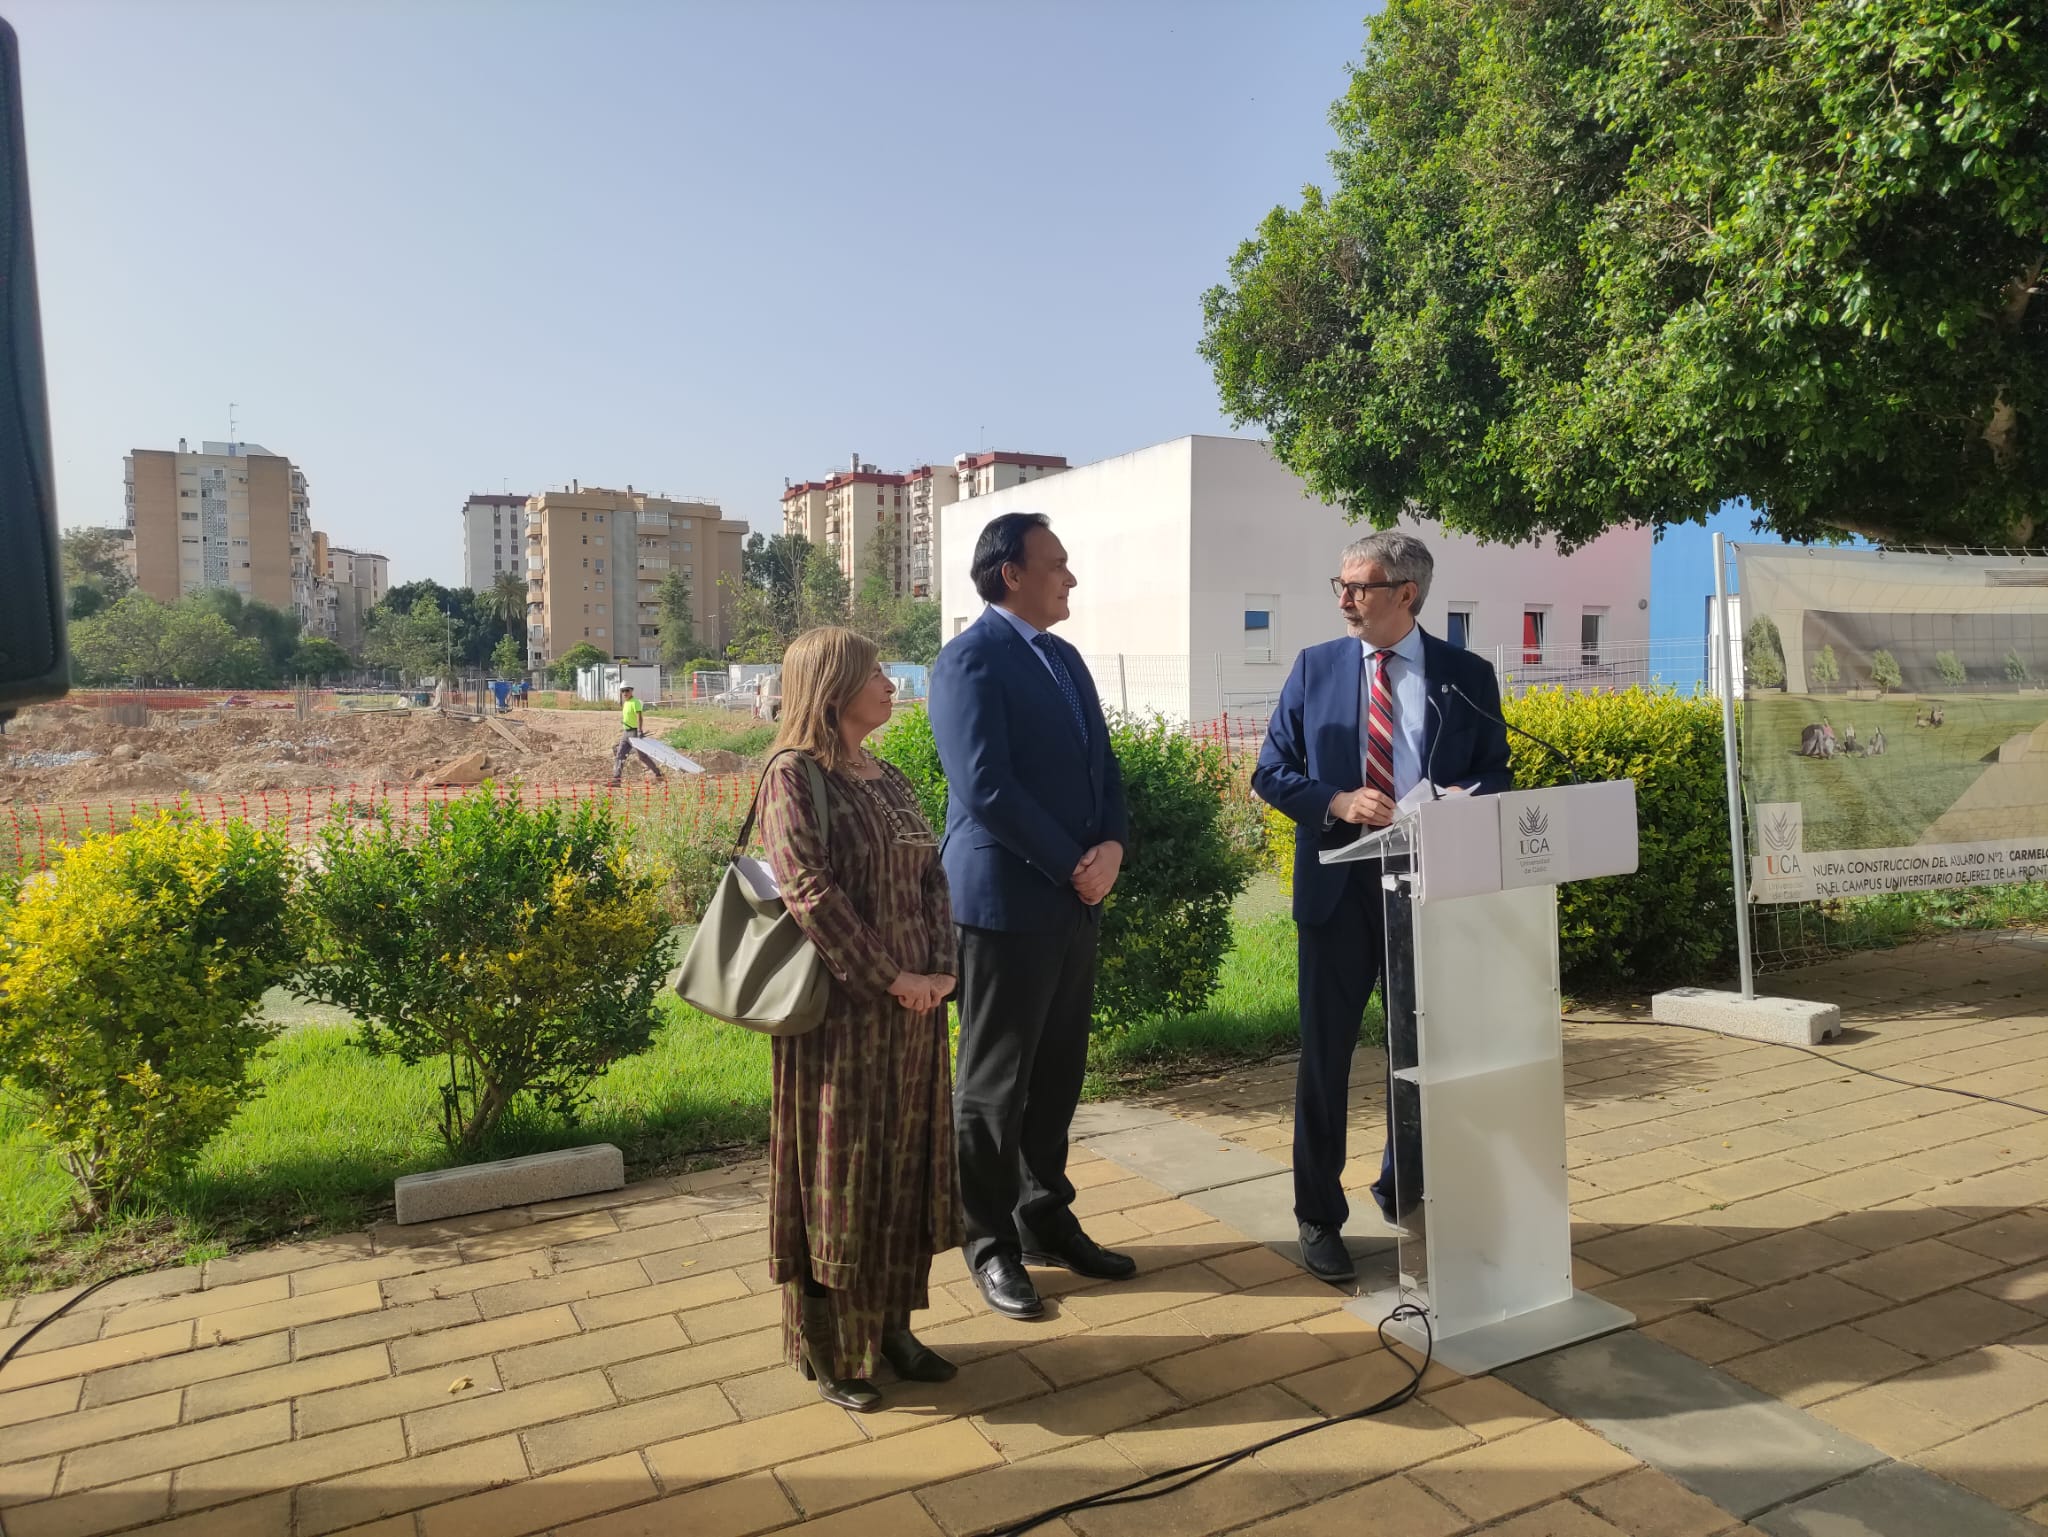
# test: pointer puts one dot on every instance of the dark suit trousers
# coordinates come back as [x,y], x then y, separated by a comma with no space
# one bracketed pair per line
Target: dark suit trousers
[1025,1005]
[1340,961]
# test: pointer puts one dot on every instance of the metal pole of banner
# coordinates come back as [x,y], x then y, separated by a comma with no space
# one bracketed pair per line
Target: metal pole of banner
[1725,666]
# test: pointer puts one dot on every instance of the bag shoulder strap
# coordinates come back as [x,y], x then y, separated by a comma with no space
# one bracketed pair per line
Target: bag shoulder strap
[818,798]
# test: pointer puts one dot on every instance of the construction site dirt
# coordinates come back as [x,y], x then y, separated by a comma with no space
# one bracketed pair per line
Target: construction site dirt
[64,752]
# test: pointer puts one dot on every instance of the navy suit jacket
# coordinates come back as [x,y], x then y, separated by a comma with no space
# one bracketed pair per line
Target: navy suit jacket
[1312,750]
[1027,796]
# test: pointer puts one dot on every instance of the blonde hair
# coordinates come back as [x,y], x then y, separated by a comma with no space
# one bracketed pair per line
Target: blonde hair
[821,672]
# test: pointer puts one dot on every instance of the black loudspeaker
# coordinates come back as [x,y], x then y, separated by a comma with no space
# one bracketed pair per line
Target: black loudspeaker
[32,648]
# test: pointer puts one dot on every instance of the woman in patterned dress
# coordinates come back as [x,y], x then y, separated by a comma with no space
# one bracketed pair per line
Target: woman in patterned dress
[862,1185]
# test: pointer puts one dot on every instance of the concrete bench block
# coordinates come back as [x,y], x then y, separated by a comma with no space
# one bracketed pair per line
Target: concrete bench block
[1788,1021]
[509,1182]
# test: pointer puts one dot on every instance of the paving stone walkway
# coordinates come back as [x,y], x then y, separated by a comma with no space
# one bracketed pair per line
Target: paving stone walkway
[1870,1258]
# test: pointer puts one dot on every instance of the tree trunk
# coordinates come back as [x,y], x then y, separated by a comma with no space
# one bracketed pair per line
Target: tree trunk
[491,1103]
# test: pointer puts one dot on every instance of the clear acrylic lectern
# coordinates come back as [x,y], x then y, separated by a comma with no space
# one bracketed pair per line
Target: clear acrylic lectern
[1476,1064]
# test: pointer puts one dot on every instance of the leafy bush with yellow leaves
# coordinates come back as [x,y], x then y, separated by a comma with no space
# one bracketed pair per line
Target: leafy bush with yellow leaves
[1675,917]
[520,944]
[130,983]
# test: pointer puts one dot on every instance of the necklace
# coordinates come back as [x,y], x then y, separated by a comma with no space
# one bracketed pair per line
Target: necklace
[907,824]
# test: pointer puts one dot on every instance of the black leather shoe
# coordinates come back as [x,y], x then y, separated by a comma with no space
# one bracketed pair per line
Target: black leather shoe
[914,1360]
[1006,1288]
[1324,1256]
[1084,1256]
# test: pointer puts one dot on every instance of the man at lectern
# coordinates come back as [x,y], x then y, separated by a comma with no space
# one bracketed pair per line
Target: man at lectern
[1361,723]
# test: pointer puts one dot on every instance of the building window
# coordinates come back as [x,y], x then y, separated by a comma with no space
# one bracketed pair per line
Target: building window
[1590,625]
[1259,612]
[600,517]
[1532,634]
[1458,627]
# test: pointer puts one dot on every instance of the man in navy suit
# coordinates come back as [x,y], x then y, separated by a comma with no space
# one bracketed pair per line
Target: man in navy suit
[1362,720]
[1035,834]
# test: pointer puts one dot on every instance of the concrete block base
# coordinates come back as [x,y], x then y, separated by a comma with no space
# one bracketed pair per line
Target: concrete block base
[1788,1021]
[509,1182]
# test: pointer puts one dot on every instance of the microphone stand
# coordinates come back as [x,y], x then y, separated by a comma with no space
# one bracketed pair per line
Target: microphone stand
[1571,766]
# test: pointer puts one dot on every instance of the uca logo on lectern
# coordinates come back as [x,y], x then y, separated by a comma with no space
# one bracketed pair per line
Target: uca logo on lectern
[1534,826]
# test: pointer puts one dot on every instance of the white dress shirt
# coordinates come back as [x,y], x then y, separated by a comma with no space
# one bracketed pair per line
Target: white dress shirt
[1030,632]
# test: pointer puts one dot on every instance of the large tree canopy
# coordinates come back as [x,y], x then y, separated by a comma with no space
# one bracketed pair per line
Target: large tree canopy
[1591,264]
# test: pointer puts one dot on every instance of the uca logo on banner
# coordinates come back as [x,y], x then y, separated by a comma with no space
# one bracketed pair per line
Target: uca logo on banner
[1533,838]
[1780,836]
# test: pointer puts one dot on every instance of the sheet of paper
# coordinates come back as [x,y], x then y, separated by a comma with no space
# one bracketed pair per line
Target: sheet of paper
[1423,791]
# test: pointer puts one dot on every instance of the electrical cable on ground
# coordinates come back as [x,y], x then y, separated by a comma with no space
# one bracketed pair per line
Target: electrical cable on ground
[71,1302]
[1194,1472]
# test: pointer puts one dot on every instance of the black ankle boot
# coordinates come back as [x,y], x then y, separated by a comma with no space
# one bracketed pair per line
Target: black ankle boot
[848,1392]
[913,1360]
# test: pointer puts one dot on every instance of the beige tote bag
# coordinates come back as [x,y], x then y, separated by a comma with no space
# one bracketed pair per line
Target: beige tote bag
[749,963]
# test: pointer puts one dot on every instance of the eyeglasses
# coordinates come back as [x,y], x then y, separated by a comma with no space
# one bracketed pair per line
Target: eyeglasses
[1353,591]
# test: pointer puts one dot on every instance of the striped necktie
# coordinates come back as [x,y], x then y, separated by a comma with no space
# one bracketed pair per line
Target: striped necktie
[1379,729]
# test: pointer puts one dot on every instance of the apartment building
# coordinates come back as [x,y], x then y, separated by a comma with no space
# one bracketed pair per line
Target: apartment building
[229,515]
[595,560]
[845,513]
[237,516]
[359,581]
[493,538]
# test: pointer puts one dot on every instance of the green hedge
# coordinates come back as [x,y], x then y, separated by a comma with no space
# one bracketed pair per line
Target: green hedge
[1674,919]
[1194,846]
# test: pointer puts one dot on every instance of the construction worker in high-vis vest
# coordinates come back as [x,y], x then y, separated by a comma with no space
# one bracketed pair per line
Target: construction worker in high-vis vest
[631,711]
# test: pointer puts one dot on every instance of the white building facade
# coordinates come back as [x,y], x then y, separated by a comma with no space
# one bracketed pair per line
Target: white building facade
[493,539]
[1204,568]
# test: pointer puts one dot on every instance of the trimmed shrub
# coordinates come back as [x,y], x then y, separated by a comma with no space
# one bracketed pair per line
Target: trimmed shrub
[1194,846]
[908,743]
[1675,917]
[1951,668]
[130,985]
[1277,858]
[2016,669]
[518,944]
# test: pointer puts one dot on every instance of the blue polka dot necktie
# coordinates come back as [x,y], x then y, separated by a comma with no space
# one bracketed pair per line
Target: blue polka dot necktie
[1064,678]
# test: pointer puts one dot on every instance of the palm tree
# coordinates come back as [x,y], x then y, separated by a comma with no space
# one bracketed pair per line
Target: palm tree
[506,600]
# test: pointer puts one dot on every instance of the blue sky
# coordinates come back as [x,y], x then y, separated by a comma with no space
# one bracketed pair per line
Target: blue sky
[471,245]
[439,247]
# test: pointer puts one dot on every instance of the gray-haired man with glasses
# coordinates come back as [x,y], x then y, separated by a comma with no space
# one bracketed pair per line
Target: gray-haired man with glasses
[1362,720]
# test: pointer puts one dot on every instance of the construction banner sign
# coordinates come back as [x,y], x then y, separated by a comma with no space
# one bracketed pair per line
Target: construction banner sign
[1894,720]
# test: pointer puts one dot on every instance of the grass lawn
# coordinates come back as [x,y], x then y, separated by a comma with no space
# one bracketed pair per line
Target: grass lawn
[334,1125]
[1922,773]
[699,729]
